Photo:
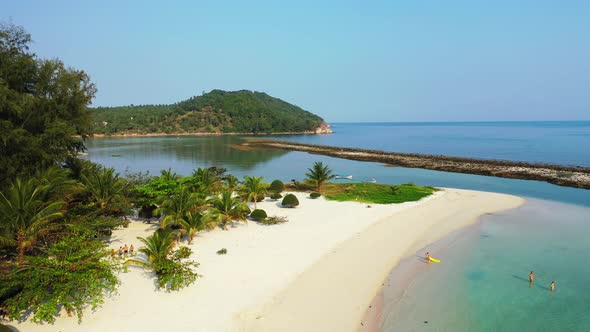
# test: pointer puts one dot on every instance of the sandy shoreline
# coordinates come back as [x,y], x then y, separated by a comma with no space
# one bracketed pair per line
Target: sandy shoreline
[334,293]
[317,272]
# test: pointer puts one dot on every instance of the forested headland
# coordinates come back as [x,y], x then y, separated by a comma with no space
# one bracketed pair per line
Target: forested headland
[216,112]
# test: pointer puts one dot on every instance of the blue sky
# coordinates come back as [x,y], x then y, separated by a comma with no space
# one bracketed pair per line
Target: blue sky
[348,61]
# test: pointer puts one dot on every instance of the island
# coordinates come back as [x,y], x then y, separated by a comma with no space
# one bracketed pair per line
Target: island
[215,113]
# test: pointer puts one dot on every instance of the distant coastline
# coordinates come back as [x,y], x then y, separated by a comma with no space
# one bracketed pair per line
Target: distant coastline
[576,177]
[208,134]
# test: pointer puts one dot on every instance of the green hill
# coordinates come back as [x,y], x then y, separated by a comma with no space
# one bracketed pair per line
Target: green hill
[214,112]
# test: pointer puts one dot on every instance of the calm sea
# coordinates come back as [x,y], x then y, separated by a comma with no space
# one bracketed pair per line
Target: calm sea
[481,283]
[545,142]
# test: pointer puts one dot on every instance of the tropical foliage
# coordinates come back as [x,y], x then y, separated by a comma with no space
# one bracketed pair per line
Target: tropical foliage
[275,196]
[25,216]
[315,195]
[253,189]
[319,173]
[105,189]
[72,274]
[290,200]
[277,186]
[258,215]
[172,269]
[226,208]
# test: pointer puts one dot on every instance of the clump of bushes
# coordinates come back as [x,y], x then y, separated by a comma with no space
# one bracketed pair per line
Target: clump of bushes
[290,201]
[276,196]
[258,215]
[315,195]
[277,186]
[273,220]
[222,251]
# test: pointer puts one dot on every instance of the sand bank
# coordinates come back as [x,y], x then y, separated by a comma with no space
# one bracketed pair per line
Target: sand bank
[315,273]
[334,293]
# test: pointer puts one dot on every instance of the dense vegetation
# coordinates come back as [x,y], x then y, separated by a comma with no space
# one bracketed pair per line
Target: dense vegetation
[214,112]
[43,107]
[376,193]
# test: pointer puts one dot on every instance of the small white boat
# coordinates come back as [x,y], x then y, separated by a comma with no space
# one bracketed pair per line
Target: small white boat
[347,177]
[373,181]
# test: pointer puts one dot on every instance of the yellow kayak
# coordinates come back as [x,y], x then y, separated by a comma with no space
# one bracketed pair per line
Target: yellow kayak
[434,260]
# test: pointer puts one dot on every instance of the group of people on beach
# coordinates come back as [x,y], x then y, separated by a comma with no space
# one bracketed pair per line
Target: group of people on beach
[532,281]
[123,251]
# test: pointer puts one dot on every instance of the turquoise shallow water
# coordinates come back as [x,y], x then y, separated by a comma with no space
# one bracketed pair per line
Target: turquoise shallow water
[482,285]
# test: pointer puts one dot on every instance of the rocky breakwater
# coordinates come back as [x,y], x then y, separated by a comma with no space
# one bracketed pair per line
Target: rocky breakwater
[568,176]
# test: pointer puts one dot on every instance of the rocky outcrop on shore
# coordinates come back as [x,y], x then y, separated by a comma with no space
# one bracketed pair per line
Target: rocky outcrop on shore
[577,177]
[324,128]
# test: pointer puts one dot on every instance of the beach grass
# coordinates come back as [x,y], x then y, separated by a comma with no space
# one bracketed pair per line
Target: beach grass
[375,193]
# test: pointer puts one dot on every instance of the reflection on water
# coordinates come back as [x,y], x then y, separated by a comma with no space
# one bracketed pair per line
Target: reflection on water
[182,154]
[482,284]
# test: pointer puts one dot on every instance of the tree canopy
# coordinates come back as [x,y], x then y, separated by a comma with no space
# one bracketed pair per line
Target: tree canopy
[43,107]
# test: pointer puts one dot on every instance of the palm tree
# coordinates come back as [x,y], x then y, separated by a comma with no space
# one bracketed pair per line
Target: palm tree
[252,188]
[57,182]
[105,187]
[231,182]
[157,248]
[168,175]
[194,222]
[206,181]
[226,208]
[175,207]
[25,216]
[319,173]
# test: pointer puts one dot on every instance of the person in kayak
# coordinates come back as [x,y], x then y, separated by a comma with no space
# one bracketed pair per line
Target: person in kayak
[427,257]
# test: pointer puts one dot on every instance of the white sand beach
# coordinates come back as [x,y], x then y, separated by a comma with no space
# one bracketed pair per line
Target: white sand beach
[318,272]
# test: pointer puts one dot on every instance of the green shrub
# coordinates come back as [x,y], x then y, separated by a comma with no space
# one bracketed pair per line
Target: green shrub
[222,251]
[315,195]
[276,196]
[258,214]
[290,201]
[174,273]
[72,274]
[277,186]
[273,220]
